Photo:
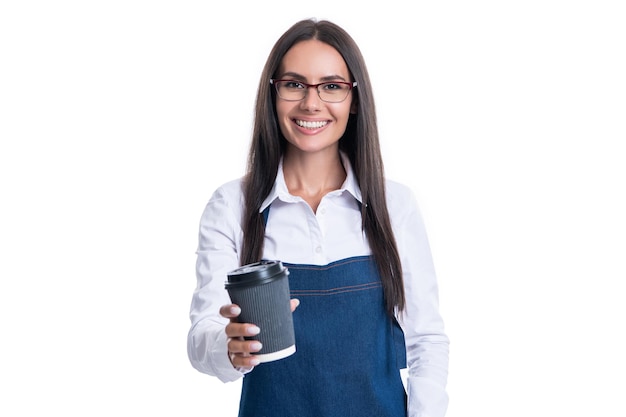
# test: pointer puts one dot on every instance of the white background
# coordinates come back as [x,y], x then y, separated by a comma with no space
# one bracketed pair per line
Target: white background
[118,119]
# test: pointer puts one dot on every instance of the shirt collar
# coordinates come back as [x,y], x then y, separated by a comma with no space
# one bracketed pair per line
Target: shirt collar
[280,191]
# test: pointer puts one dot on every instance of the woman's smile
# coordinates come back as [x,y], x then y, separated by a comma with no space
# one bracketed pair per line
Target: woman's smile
[311,125]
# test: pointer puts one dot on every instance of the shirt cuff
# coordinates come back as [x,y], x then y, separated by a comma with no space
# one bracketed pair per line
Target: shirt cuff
[426,398]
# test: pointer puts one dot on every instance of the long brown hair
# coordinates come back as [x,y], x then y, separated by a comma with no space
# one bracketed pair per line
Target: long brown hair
[360,142]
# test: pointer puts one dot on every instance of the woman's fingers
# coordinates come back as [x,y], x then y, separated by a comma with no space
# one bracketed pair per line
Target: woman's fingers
[240,350]
[230,311]
[234,329]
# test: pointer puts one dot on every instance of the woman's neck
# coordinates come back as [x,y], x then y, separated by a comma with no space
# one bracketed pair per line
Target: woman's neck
[313,175]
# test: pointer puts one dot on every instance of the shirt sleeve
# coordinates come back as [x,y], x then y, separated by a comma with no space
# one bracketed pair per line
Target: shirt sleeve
[219,238]
[426,341]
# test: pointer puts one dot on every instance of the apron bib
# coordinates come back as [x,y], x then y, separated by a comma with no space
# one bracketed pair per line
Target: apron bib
[348,350]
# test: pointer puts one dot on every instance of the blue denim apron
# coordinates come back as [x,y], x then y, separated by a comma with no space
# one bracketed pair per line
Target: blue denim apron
[348,350]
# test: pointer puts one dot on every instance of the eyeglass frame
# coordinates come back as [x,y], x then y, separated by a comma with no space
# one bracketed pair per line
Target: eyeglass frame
[307,86]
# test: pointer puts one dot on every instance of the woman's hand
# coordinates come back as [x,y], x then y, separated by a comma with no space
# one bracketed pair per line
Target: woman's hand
[240,350]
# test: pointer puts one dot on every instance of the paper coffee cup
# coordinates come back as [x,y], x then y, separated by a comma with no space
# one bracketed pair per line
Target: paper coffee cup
[261,290]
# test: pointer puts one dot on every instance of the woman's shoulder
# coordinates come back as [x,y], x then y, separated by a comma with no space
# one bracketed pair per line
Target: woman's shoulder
[404,208]
[398,192]
[228,194]
[230,190]
[401,198]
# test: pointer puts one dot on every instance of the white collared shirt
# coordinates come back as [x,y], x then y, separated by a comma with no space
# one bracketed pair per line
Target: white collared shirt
[296,234]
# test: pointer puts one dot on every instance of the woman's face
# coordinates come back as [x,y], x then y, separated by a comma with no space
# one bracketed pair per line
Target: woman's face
[312,125]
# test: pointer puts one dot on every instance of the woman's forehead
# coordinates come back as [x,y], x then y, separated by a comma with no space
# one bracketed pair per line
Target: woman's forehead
[313,59]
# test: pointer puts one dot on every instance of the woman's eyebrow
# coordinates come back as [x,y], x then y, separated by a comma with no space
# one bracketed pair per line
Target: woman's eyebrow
[332,78]
[296,76]
[293,75]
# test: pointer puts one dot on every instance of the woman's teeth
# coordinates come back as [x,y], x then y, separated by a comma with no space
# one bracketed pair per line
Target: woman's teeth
[311,125]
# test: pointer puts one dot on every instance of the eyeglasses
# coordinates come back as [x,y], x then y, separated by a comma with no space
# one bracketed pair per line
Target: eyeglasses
[330,92]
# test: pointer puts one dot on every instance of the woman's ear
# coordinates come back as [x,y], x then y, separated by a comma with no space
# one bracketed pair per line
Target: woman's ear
[353,107]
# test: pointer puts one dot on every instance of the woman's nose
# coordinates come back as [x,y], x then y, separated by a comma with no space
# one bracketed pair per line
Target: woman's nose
[311,100]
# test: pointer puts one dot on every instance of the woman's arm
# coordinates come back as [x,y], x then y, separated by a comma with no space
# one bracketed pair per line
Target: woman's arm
[426,341]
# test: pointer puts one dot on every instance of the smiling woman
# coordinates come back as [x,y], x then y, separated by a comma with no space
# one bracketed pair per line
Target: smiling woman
[360,271]
[117,118]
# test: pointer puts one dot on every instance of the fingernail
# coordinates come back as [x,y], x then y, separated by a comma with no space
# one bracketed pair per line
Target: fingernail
[235,310]
[256,346]
[253,330]
[254,362]
[297,302]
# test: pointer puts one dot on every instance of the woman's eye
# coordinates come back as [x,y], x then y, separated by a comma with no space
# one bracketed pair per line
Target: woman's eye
[333,86]
[293,84]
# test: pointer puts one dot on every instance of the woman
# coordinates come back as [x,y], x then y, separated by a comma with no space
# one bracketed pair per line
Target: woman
[315,197]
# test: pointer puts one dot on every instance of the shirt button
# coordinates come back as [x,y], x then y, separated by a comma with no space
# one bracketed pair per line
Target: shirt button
[323,211]
[318,249]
